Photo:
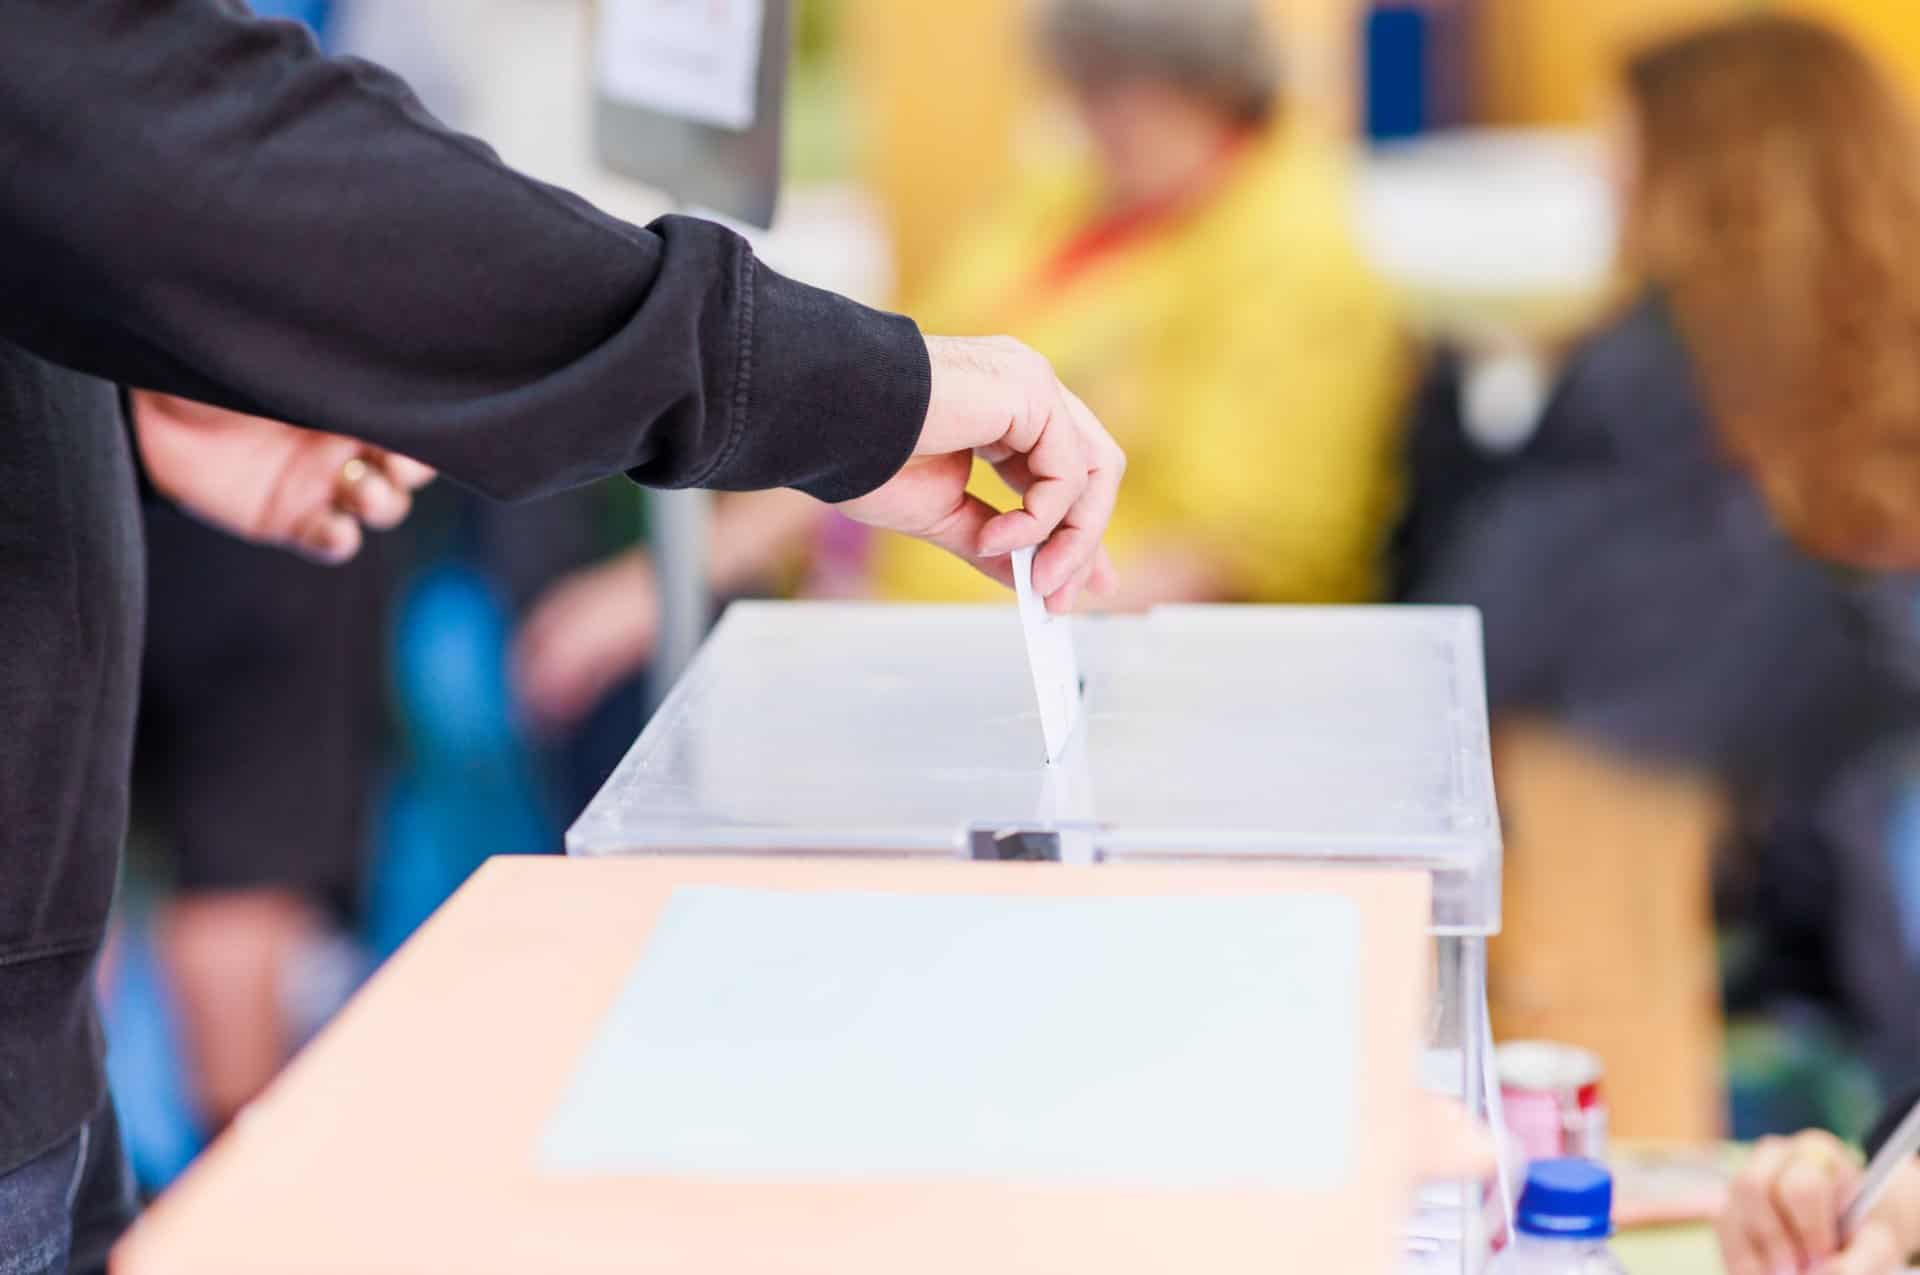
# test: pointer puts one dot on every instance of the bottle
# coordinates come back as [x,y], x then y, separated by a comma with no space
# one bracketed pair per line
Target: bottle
[1565,1217]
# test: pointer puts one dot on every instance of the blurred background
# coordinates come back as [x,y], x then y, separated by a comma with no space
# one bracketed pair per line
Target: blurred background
[1359,286]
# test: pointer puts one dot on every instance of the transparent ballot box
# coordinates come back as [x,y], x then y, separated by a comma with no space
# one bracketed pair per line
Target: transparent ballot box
[1312,736]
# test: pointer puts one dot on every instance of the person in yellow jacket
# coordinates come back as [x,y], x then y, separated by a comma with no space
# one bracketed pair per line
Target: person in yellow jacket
[1194,275]
[1196,279]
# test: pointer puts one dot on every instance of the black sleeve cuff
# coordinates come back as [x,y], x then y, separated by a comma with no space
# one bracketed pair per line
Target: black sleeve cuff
[831,396]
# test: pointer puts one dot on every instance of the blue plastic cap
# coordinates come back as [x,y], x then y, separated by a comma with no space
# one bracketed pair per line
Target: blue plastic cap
[1567,1200]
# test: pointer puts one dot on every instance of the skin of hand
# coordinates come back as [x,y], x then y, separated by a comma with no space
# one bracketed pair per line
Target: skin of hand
[1168,575]
[598,626]
[1782,1215]
[1449,1145]
[996,399]
[583,637]
[275,484]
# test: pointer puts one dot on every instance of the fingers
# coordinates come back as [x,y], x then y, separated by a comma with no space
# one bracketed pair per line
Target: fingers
[1874,1251]
[1070,483]
[962,532]
[1104,579]
[999,401]
[1805,1198]
[1753,1236]
[556,684]
[326,536]
[366,490]
[377,486]
[1783,1212]
[370,488]
[584,637]
[1450,1145]
[1055,470]
[407,473]
[1073,554]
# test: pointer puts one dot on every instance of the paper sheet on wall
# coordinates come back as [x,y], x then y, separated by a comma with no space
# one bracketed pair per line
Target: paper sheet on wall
[1146,1041]
[697,60]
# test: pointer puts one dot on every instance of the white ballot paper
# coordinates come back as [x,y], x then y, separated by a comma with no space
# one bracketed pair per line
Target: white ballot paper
[1050,653]
[695,60]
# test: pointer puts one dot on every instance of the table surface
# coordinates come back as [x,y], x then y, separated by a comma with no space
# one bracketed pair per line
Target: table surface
[368,1156]
[1673,1250]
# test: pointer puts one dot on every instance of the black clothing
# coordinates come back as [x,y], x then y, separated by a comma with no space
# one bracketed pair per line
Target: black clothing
[196,202]
[1633,585]
[261,712]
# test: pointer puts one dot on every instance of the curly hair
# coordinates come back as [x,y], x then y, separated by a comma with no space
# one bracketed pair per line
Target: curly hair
[1777,205]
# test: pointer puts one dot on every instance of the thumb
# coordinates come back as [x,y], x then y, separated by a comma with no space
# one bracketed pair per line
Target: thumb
[1872,1252]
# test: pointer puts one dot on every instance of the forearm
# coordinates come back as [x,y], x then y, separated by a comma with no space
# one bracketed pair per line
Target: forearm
[200,203]
[757,535]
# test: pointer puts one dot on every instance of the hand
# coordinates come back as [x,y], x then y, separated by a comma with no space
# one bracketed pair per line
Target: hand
[999,400]
[272,483]
[1783,1213]
[1449,1144]
[583,637]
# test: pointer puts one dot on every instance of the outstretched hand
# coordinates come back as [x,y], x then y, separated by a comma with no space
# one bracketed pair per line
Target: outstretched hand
[996,399]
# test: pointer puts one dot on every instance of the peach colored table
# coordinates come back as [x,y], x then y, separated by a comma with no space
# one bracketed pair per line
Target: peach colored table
[401,1142]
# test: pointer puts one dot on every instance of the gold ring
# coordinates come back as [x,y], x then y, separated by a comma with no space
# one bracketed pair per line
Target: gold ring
[347,483]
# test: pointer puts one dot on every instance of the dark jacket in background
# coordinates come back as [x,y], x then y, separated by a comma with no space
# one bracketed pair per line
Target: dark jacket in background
[1634,587]
[1636,592]
[194,202]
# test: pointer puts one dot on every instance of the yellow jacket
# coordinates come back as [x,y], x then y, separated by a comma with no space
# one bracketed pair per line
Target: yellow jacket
[1242,354]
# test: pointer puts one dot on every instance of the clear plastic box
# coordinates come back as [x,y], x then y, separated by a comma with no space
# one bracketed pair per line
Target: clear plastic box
[1275,734]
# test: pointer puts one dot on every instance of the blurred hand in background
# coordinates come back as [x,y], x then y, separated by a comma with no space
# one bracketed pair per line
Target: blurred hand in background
[1784,1213]
[586,635]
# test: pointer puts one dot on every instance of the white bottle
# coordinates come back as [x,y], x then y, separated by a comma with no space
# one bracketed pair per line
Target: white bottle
[1565,1217]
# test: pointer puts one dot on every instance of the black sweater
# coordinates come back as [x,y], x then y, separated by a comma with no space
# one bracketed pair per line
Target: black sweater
[200,203]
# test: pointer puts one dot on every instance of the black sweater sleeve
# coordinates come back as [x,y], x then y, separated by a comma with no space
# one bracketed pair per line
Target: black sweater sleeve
[198,202]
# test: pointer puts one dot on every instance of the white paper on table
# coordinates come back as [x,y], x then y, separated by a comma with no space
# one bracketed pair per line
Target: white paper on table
[697,60]
[1173,1042]
[1056,666]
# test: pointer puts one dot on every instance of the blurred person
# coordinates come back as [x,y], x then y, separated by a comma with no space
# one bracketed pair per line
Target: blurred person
[1195,275]
[1643,564]
[203,206]
[259,724]
[1198,273]
[1784,239]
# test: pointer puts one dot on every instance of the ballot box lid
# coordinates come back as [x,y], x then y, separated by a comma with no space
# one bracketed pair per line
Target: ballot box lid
[1318,735]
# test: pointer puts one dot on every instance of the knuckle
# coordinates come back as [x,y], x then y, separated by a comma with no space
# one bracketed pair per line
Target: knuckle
[1800,1196]
[1035,366]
